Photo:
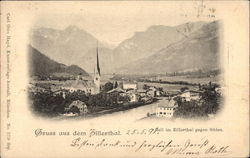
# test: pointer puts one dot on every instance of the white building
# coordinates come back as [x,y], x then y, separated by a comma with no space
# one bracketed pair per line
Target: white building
[190,95]
[129,86]
[133,97]
[166,108]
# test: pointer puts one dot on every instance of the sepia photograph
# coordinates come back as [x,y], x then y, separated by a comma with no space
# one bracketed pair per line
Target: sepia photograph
[163,71]
[107,79]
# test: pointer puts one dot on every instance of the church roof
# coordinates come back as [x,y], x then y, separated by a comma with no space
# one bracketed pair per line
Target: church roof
[119,90]
[80,84]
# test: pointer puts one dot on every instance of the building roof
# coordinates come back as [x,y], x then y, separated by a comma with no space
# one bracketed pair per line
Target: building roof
[118,89]
[152,88]
[142,91]
[87,78]
[79,84]
[130,91]
[76,102]
[169,103]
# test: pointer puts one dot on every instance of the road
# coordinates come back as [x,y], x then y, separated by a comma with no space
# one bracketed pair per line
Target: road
[127,116]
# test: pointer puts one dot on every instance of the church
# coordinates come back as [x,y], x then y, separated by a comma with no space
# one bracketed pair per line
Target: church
[88,85]
[97,75]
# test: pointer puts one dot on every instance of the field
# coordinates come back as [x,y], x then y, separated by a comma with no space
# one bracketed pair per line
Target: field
[202,80]
[166,87]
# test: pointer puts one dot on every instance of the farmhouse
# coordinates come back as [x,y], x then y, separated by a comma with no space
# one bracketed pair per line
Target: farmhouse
[82,107]
[189,95]
[166,108]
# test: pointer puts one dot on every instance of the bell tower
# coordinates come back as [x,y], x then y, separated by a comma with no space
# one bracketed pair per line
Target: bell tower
[97,74]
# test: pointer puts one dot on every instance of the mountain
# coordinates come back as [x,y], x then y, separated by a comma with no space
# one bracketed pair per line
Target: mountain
[159,49]
[144,44]
[41,65]
[71,46]
[199,50]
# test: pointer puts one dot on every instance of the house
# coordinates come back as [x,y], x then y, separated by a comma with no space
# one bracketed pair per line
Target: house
[189,95]
[145,99]
[220,90]
[151,93]
[142,93]
[118,90]
[132,94]
[133,97]
[155,92]
[166,108]
[82,107]
[129,86]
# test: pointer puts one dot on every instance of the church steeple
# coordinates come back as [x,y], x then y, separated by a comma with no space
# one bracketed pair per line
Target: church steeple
[97,73]
[97,61]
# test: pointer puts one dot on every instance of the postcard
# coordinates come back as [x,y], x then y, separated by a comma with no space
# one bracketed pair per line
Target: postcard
[124,79]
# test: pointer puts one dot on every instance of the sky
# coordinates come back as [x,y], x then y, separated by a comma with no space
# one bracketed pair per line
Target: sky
[113,22]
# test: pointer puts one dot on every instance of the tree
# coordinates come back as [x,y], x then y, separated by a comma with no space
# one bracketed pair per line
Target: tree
[116,84]
[108,86]
[145,87]
[210,100]
[123,99]
[74,109]
[184,88]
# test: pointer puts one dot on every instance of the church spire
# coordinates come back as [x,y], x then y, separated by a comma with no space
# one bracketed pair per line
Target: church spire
[97,61]
[97,73]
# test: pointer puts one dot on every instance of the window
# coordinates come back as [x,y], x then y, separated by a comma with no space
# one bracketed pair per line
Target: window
[164,113]
[160,112]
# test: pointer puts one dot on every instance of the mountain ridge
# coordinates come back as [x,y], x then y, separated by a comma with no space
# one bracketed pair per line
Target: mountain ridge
[197,51]
[41,65]
[76,46]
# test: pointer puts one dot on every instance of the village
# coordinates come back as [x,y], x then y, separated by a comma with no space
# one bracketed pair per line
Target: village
[80,98]
[90,96]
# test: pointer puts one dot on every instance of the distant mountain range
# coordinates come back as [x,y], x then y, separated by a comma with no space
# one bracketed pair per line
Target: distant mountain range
[145,44]
[159,49]
[71,46]
[197,51]
[41,65]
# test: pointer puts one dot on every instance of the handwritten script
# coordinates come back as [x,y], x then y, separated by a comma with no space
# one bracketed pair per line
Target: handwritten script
[167,147]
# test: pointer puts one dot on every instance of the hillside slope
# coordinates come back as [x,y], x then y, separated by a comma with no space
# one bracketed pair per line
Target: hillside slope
[198,51]
[41,65]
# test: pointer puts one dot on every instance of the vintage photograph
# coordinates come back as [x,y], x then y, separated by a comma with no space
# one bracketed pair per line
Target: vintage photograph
[124,79]
[162,71]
